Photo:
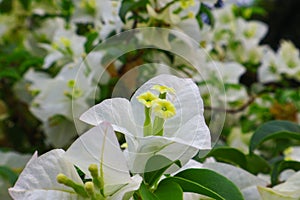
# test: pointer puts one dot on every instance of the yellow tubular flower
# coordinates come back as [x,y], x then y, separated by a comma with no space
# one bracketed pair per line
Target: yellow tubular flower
[163,89]
[164,109]
[147,99]
[184,4]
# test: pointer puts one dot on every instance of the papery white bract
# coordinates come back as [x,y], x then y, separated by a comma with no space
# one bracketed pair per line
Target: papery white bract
[38,179]
[184,134]
[99,146]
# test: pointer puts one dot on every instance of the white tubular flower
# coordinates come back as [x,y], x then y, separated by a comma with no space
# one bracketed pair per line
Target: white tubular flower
[183,134]
[164,109]
[96,153]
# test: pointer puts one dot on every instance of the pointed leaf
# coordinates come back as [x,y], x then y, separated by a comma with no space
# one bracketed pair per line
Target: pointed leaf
[260,166]
[272,130]
[281,166]
[229,155]
[169,190]
[146,194]
[207,182]
[160,164]
[130,5]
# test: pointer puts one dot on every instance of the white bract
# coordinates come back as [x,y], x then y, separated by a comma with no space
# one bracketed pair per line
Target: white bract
[66,47]
[286,61]
[167,122]
[96,153]
[103,15]
[289,190]
[292,153]
[54,99]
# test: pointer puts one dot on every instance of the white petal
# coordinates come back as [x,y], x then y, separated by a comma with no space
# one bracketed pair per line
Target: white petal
[51,58]
[194,133]
[127,191]
[100,146]
[117,111]
[52,101]
[154,145]
[39,177]
[60,134]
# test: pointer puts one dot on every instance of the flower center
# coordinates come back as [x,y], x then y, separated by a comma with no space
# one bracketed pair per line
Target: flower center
[91,189]
[159,106]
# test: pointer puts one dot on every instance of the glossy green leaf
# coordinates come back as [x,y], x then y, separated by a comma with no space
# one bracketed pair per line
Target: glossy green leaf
[272,130]
[130,5]
[229,155]
[205,10]
[256,164]
[169,190]
[146,194]
[160,164]
[207,182]
[281,166]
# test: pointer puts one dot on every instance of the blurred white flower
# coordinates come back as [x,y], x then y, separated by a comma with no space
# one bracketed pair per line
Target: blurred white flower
[103,15]
[66,47]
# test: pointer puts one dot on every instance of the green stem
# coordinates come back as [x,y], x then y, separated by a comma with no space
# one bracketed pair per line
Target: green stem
[163,95]
[158,126]
[147,123]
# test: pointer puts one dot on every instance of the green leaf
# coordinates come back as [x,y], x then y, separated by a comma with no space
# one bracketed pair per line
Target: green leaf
[8,174]
[130,5]
[229,155]
[281,166]
[169,190]
[146,194]
[207,182]
[25,4]
[205,10]
[9,73]
[256,164]
[272,130]
[160,164]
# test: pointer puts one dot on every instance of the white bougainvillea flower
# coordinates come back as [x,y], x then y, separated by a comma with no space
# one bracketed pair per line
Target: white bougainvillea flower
[102,14]
[66,47]
[289,60]
[250,32]
[96,153]
[98,148]
[54,98]
[268,70]
[176,135]
[38,179]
